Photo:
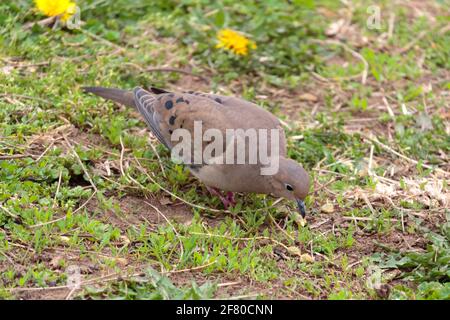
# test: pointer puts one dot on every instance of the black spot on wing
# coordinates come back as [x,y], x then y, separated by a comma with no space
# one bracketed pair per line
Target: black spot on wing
[158,91]
[218,100]
[168,104]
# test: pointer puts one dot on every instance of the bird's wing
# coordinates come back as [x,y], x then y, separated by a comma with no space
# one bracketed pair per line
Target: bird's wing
[167,111]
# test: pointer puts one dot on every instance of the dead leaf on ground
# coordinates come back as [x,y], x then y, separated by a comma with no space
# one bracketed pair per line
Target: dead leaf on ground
[308,97]
[306,258]
[55,262]
[327,207]
[165,201]
[295,251]
[335,27]
[122,261]
[299,220]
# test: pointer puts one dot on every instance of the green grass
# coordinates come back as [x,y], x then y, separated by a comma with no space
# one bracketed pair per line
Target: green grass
[57,145]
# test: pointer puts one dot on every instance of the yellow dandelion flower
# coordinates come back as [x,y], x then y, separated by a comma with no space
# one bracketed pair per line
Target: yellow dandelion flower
[234,42]
[51,8]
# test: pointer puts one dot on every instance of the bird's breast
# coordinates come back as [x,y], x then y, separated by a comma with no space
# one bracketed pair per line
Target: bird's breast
[235,178]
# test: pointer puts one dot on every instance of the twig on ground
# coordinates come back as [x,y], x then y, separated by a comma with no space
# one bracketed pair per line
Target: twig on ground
[57,189]
[159,158]
[228,284]
[241,239]
[71,292]
[14,156]
[98,38]
[403,221]
[106,278]
[48,148]
[284,123]
[65,217]
[445,29]
[122,151]
[190,269]
[242,297]
[369,167]
[406,48]
[21,96]
[391,25]
[80,163]
[280,228]
[405,157]
[43,23]
[12,215]
[355,54]
[7,257]
[367,218]
[318,224]
[367,201]
[388,107]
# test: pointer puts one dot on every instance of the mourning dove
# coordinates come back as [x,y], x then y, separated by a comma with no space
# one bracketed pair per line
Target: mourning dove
[164,112]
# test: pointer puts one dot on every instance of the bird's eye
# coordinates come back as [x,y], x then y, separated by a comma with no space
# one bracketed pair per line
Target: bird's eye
[289,187]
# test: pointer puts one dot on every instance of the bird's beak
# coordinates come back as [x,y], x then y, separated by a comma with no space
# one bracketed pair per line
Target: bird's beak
[301,207]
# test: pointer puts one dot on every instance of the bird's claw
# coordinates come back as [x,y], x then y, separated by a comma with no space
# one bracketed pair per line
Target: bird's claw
[227,200]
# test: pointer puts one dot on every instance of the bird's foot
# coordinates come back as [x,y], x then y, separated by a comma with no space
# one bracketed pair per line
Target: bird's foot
[230,198]
[227,201]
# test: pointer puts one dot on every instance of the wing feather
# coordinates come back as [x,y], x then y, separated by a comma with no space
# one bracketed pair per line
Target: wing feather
[144,101]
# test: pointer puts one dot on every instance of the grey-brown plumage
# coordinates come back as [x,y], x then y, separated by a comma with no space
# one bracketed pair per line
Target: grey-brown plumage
[166,111]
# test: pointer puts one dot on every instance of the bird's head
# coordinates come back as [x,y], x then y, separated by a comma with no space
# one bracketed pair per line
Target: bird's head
[291,182]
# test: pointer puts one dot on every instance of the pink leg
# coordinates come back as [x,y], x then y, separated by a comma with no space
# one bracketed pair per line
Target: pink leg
[230,198]
[227,201]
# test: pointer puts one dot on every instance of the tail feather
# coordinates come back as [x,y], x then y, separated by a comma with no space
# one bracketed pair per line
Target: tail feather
[118,95]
